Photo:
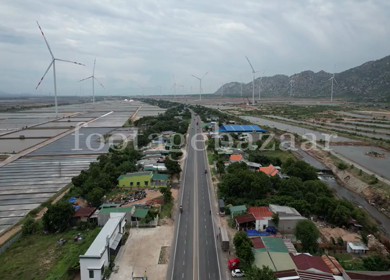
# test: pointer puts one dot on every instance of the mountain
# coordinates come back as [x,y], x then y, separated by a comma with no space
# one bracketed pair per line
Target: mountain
[367,82]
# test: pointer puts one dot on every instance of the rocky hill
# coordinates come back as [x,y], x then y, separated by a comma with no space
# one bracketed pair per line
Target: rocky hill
[367,82]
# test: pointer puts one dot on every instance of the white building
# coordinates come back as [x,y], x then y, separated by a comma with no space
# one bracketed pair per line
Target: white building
[108,241]
[356,248]
[288,217]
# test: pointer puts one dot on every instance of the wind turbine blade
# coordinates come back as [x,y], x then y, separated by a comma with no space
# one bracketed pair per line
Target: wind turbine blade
[195,77]
[174,78]
[94,63]
[45,73]
[173,86]
[86,79]
[99,82]
[336,82]
[331,78]
[250,65]
[69,61]
[205,74]
[47,44]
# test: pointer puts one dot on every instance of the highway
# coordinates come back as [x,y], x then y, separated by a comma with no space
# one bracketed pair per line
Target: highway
[194,255]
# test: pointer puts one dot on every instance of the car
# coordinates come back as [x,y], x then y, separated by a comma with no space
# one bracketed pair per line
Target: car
[61,241]
[238,273]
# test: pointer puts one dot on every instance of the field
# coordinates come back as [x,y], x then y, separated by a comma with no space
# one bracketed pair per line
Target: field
[40,257]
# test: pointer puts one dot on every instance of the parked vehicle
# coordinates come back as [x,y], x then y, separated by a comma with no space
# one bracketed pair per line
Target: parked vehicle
[238,273]
[181,209]
[271,230]
[221,204]
[224,239]
[234,263]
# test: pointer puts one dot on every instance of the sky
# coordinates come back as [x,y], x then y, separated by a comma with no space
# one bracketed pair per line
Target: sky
[142,44]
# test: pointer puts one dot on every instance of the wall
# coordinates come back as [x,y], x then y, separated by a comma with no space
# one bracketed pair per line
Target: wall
[260,225]
[125,182]
[288,225]
[86,263]
[9,243]
[103,218]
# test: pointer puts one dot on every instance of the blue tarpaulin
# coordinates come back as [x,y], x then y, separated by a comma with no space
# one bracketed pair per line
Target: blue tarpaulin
[72,200]
[254,232]
[77,207]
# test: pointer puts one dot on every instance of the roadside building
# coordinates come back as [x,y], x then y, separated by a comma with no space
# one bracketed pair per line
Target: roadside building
[107,243]
[263,217]
[236,158]
[104,214]
[357,248]
[253,132]
[288,217]
[83,214]
[160,180]
[239,209]
[310,263]
[245,222]
[253,165]
[269,170]
[95,215]
[136,179]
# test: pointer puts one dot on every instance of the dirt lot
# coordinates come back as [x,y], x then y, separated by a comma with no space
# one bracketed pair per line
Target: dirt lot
[150,195]
[329,232]
[142,252]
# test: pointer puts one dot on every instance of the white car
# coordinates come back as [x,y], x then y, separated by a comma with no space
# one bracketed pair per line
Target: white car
[238,273]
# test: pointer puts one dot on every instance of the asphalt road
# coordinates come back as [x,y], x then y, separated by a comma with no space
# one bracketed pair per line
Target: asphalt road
[195,252]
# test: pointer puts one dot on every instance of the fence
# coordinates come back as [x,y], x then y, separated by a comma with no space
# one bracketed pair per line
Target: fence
[9,243]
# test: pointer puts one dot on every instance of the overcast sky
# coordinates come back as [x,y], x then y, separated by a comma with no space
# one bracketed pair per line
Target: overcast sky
[141,43]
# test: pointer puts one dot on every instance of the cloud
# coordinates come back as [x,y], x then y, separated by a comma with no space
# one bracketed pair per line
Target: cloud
[141,43]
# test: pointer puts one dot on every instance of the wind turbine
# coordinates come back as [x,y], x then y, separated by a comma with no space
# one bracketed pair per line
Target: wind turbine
[53,62]
[174,84]
[291,86]
[253,81]
[222,88]
[261,84]
[93,82]
[333,80]
[200,84]
[241,85]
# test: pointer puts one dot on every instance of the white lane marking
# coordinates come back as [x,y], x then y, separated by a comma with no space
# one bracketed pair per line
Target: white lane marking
[182,276]
[184,252]
[184,263]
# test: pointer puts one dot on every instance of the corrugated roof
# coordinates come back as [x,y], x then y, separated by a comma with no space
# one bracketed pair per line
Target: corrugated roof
[333,264]
[116,210]
[161,177]
[305,262]
[357,246]
[241,128]
[369,275]
[306,275]
[269,170]
[110,205]
[260,212]
[140,213]
[286,273]
[135,174]
[274,244]
[236,157]
[84,212]
[263,258]
[257,243]
[247,218]
[282,261]
[238,208]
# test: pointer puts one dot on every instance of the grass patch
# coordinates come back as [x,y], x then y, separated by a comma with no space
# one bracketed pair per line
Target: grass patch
[284,156]
[166,210]
[40,257]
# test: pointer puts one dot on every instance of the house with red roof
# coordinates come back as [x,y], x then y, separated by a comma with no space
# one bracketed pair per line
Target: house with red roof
[269,170]
[245,222]
[263,217]
[310,263]
[236,158]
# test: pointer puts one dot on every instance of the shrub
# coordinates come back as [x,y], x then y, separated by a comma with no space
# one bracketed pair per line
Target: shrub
[342,166]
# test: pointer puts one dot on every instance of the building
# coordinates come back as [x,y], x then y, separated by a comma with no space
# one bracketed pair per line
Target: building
[144,179]
[310,263]
[106,243]
[84,214]
[104,214]
[236,158]
[272,252]
[263,217]
[288,217]
[245,222]
[253,165]
[357,248]
[237,128]
[239,209]
[269,170]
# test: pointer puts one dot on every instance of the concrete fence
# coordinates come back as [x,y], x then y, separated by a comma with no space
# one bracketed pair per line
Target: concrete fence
[9,243]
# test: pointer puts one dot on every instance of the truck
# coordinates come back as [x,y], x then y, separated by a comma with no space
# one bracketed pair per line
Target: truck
[221,205]
[234,263]
[224,239]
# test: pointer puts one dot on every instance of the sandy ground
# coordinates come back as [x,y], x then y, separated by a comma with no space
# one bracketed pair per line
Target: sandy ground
[150,195]
[141,253]
[329,232]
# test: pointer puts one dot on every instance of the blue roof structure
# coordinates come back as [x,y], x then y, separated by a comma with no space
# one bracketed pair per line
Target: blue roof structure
[240,128]
[254,232]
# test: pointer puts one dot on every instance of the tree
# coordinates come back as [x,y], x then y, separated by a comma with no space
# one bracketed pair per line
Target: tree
[340,241]
[245,253]
[95,196]
[376,263]
[256,273]
[341,215]
[172,166]
[167,194]
[29,226]
[275,218]
[307,232]
[237,166]
[300,169]
[220,167]
[58,216]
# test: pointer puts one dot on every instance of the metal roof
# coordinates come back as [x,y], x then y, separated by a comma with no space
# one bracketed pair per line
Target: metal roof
[240,128]
[117,210]
[135,174]
[140,213]
[274,244]
[238,208]
[307,261]
[357,245]
[245,218]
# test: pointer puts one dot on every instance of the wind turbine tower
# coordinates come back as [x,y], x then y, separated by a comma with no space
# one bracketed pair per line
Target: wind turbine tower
[333,79]
[174,85]
[93,82]
[53,63]
[291,86]
[253,81]
[200,84]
